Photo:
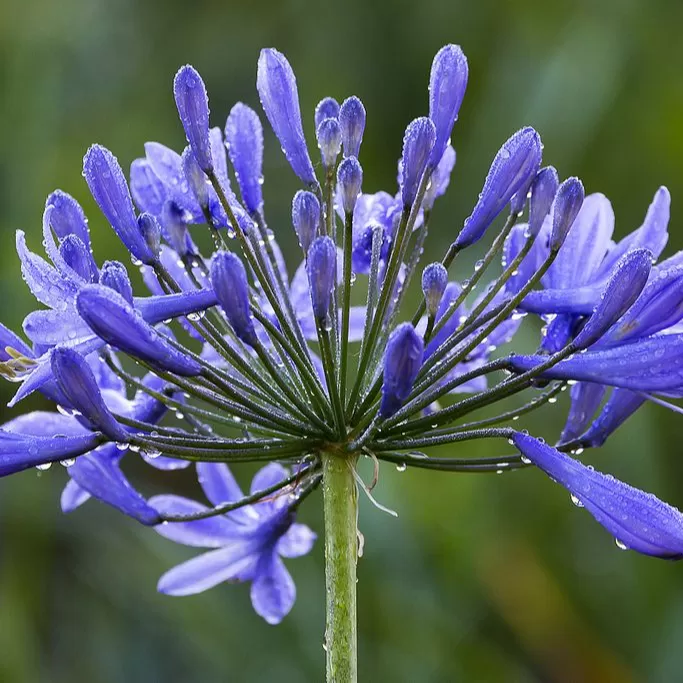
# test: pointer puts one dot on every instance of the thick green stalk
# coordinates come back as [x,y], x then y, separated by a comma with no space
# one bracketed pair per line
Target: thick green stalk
[341,544]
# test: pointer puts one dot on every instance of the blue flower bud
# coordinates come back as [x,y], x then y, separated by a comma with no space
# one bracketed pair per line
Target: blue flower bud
[244,139]
[149,192]
[321,266]
[352,125]
[566,207]
[229,282]
[76,381]
[117,323]
[175,227]
[276,84]
[418,143]
[328,108]
[193,108]
[329,141]
[78,257]
[627,280]
[637,520]
[434,281]
[516,162]
[402,362]
[151,232]
[196,178]
[67,217]
[115,276]
[305,217]
[543,191]
[447,84]
[109,189]
[350,179]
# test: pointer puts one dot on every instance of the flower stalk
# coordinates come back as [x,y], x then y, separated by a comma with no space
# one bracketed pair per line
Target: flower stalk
[341,553]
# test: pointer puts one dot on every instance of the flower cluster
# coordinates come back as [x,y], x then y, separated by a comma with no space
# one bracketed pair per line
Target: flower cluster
[256,366]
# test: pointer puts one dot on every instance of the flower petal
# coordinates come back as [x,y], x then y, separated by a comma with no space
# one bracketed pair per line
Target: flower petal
[638,520]
[111,317]
[220,487]
[273,591]
[296,542]
[99,474]
[232,563]
[19,451]
[73,496]
[212,532]
[651,364]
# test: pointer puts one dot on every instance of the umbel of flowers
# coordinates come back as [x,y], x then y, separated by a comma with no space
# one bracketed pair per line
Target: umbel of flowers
[258,366]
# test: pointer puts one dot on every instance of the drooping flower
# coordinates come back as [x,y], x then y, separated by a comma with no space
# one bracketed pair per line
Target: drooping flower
[248,544]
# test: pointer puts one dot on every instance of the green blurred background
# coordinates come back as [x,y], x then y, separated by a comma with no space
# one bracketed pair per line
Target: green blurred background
[481,578]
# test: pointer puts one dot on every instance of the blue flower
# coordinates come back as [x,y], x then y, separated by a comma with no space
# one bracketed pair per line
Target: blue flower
[248,543]
[638,520]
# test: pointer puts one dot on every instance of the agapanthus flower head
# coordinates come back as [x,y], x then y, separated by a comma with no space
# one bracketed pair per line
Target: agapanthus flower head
[255,365]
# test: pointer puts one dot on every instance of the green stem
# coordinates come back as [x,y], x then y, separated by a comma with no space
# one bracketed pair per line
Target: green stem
[341,509]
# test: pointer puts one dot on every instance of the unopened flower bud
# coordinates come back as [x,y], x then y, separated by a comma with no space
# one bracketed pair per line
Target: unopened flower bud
[193,108]
[350,179]
[434,281]
[402,362]
[321,266]
[305,217]
[229,282]
[352,124]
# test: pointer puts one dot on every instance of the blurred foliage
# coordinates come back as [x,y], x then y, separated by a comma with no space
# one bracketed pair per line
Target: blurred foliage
[494,578]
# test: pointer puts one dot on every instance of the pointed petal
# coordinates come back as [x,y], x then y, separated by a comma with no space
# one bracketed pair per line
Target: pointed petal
[651,364]
[620,406]
[232,563]
[585,399]
[73,496]
[45,283]
[99,474]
